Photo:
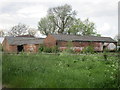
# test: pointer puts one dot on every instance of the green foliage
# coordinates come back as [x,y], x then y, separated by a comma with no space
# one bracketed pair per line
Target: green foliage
[41,48]
[69,47]
[105,53]
[68,50]
[1,48]
[48,49]
[46,26]
[85,27]
[88,49]
[61,19]
[53,71]
[58,20]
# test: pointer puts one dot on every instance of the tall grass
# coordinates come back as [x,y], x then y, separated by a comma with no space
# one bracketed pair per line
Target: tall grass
[59,71]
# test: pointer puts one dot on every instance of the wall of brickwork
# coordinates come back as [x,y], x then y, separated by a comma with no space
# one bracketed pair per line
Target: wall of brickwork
[31,48]
[50,41]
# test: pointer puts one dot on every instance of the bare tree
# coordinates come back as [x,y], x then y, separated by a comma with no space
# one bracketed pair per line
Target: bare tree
[20,29]
[32,31]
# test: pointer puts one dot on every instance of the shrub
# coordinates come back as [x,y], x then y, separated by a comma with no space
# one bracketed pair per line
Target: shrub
[41,48]
[55,49]
[105,54]
[69,47]
[89,49]
[48,49]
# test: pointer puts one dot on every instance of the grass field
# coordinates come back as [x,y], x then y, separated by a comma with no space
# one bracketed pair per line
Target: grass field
[59,71]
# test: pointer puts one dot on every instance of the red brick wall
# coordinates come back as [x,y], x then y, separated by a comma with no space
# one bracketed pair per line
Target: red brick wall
[13,48]
[98,46]
[50,41]
[8,48]
[31,48]
[75,44]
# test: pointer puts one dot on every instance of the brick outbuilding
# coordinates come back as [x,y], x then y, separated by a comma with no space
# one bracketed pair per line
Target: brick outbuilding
[79,42]
[24,43]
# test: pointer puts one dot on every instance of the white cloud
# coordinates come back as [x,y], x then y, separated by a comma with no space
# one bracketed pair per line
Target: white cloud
[33,11]
[102,12]
[105,28]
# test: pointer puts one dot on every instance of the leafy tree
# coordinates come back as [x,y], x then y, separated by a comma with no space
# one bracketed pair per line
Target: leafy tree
[88,28]
[76,28]
[46,26]
[62,17]
[83,28]
[62,20]
[20,29]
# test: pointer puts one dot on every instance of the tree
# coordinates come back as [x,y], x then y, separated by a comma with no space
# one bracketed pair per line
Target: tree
[83,28]
[32,31]
[62,17]
[62,20]
[76,28]
[88,28]
[20,29]
[46,26]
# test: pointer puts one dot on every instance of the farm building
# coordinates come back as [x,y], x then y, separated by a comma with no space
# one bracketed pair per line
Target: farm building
[24,43]
[80,42]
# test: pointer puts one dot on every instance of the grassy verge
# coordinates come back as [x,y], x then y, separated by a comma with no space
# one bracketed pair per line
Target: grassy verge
[59,71]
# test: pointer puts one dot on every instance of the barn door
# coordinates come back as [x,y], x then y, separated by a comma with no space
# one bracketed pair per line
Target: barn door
[20,48]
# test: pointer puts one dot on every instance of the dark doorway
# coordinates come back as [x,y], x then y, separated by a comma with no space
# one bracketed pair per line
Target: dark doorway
[104,48]
[20,48]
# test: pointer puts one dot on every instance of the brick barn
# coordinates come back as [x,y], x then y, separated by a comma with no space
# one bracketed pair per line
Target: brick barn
[80,42]
[24,43]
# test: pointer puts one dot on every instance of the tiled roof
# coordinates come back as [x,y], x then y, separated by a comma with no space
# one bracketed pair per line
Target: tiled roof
[82,38]
[23,40]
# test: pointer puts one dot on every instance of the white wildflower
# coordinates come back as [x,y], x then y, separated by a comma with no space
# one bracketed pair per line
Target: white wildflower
[113,65]
[111,72]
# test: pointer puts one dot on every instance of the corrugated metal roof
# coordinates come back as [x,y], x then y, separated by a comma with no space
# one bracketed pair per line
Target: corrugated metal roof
[82,38]
[23,40]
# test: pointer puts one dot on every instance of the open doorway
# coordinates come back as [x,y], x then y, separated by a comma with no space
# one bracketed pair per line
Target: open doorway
[20,48]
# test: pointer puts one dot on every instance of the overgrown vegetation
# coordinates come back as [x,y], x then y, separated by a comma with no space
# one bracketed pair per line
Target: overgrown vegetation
[59,71]
[88,49]
[48,49]
[1,49]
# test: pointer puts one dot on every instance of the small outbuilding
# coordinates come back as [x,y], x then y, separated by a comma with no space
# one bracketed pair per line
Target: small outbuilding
[25,43]
[80,42]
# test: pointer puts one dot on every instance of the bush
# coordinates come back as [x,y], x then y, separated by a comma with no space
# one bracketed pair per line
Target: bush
[55,49]
[69,47]
[105,53]
[49,49]
[89,49]
[41,48]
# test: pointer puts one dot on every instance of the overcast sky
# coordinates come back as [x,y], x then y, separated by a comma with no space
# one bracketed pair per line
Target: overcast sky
[104,13]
